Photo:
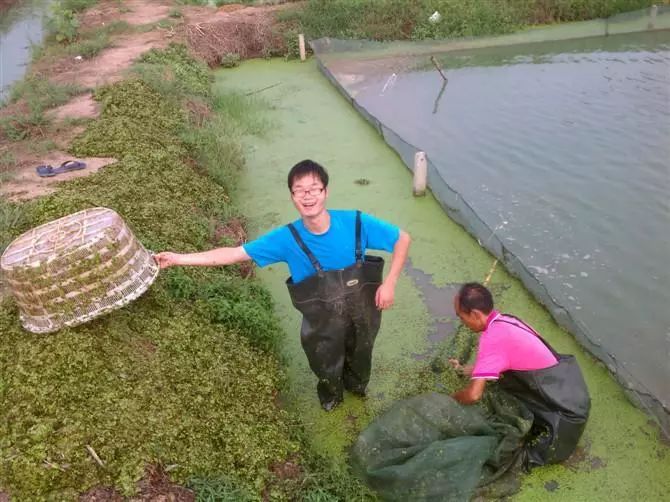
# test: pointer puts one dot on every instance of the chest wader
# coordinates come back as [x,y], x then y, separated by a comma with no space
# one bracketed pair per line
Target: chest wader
[340,321]
[557,397]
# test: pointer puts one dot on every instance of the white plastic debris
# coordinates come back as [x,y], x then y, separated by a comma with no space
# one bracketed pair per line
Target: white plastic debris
[435,17]
[78,58]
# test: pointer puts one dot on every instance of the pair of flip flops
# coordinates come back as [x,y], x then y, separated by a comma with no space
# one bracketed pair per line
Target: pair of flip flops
[69,165]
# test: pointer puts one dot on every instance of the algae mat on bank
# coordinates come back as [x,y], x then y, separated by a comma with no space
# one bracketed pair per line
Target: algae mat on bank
[311,120]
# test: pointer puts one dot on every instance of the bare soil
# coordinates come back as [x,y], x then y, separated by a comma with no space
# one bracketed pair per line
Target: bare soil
[109,66]
[26,184]
[154,487]
[5,4]
[134,12]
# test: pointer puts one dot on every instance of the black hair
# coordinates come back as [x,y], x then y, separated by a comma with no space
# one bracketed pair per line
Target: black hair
[306,167]
[475,296]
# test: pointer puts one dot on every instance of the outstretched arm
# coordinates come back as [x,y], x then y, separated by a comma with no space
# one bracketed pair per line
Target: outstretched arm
[386,292]
[212,258]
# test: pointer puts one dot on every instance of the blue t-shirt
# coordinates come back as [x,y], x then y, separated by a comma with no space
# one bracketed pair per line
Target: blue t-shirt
[335,249]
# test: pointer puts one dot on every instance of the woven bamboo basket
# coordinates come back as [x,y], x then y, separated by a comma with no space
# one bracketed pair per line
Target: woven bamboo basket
[76,268]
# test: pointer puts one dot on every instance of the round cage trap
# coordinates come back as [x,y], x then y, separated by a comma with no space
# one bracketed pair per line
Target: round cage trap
[76,268]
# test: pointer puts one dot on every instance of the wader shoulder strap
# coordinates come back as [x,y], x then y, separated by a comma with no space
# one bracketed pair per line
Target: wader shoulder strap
[310,255]
[359,252]
[530,330]
[305,249]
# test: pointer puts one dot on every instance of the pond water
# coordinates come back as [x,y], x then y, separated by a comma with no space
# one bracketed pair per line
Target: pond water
[563,148]
[21,26]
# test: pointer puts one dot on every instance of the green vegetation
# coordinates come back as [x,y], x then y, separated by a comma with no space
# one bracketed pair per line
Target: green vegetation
[399,19]
[186,376]
[7,164]
[90,43]
[37,94]
[86,44]
[63,24]
[11,218]
[43,146]
[218,490]
[41,93]
[230,60]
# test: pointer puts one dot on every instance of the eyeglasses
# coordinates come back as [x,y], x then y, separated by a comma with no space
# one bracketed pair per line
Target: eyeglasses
[301,192]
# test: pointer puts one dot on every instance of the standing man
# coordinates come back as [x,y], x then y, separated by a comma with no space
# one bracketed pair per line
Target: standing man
[338,289]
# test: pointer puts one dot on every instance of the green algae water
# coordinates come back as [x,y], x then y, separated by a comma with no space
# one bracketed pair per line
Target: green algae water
[562,151]
[308,118]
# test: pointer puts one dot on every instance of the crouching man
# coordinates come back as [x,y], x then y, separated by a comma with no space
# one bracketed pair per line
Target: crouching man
[549,384]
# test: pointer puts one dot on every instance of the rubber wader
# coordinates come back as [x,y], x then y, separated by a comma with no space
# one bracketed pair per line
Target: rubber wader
[557,397]
[340,321]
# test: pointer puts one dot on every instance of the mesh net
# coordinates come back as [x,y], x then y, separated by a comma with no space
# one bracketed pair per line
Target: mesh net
[429,447]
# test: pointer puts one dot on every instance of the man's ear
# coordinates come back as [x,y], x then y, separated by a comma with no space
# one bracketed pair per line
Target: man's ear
[480,315]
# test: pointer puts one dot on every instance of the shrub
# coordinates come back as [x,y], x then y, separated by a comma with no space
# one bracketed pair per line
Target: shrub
[230,60]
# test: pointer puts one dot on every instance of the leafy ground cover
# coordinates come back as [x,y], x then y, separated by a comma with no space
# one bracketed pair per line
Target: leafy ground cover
[185,378]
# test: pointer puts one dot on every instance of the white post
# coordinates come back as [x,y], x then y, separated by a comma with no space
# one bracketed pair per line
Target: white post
[652,15]
[420,173]
[301,43]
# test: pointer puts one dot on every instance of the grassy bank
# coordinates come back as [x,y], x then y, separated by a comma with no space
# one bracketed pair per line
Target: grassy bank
[402,19]
[187,376]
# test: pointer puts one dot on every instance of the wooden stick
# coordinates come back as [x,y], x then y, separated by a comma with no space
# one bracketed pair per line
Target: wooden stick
[439,96]
[490,274]
[52,465]
[437,67]
[95,456]
[261,90]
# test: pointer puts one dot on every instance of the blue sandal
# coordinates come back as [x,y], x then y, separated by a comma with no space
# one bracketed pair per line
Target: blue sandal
[48,171]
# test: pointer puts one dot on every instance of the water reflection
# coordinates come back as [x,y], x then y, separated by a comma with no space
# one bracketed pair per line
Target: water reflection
[563,148]
[21,26]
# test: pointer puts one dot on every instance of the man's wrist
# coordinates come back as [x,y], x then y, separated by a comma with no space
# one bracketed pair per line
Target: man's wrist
[391,280]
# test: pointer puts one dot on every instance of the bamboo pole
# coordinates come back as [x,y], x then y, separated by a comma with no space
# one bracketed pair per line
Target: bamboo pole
[437,67]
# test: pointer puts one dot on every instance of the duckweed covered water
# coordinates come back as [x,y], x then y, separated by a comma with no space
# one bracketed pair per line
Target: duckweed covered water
[311,120]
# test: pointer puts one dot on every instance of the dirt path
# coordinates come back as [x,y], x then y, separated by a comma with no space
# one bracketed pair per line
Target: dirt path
[210,32]
[6,4]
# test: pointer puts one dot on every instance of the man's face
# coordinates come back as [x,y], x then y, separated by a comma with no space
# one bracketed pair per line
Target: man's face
[309,195]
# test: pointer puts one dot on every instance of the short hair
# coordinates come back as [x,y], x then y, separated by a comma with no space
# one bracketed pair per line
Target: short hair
[475,296]
[305,168]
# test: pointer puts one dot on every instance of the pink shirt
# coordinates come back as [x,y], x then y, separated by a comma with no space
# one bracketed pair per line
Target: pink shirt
[504,346]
